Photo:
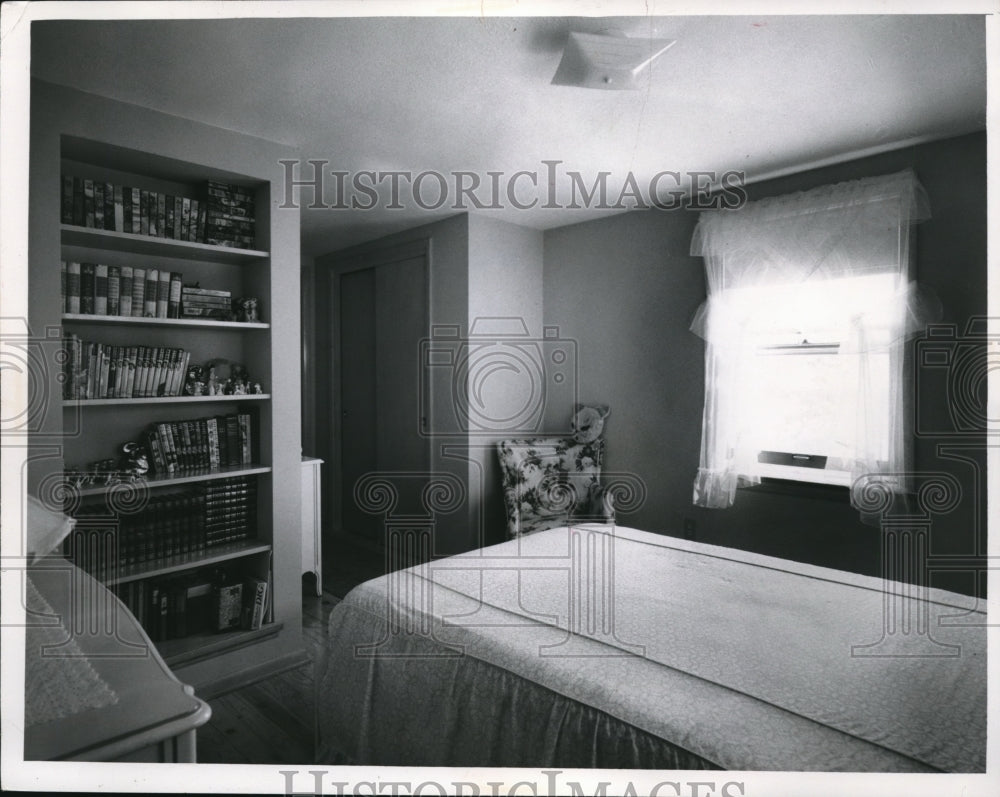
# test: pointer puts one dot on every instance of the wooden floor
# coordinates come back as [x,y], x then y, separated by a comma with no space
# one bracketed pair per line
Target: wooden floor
[271,721]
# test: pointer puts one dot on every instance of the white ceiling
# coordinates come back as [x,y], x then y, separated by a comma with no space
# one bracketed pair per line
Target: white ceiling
[758,94]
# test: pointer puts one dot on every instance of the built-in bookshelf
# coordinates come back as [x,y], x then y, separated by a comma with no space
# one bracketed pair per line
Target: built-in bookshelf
[169,537]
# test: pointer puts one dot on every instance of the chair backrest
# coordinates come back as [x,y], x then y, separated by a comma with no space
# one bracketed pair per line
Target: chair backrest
[550,482]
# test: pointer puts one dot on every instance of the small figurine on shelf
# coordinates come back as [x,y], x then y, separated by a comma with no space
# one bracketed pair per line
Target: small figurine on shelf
[134,461]
[194,385]
[257,390]
[247,310]
[214,388]
[104,472]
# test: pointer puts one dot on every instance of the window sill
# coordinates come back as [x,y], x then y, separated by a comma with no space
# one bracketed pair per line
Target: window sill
[800,489]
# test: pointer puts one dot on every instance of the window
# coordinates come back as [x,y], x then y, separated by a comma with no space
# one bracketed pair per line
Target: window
[806,387]
[809,302]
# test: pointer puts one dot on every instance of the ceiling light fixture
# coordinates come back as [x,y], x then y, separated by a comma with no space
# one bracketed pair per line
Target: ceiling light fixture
[609,60]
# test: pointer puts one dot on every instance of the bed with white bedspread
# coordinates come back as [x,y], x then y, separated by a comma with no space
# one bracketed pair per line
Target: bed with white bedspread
[609,647]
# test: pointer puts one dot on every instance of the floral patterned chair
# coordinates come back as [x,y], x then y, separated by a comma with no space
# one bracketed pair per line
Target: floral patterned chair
[550,482]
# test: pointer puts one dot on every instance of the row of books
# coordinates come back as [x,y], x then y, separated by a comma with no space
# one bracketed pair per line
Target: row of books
[229,217]
[102,370]
[179,524]
[202,443]
[177,607]
[120,208]
[99,289]
[197,302]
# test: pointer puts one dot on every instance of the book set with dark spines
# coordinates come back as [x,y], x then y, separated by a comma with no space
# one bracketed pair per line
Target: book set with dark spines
[224,216]
[229,216]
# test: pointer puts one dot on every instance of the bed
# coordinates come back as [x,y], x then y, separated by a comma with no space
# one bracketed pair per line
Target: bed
[609,647]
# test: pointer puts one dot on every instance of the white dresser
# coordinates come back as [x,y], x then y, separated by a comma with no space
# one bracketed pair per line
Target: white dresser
[312,544]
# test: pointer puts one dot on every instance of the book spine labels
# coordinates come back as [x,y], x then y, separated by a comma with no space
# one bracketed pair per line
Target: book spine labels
[114,290]
[141,371]
[63,285]
[98,206]
[168,218]
[152,284]
[125,298]
[161,207]
[100,289]
[138,292]
[163,294]
[109,207]
[88,202]
[174,298]
[143,212]
[72,287]
[193,230]
[178,218]
[136,211]
[102,389]
[126,209]
[87,288]
[156,372]
[119,211]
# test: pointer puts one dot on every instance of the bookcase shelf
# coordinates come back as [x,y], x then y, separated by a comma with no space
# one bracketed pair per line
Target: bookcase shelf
[185,477]
[201,646]
[180,563]
[110,240]
[91,139]
[237,326]
[118,402]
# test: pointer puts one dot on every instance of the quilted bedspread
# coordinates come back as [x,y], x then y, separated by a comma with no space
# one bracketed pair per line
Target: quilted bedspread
[734,659]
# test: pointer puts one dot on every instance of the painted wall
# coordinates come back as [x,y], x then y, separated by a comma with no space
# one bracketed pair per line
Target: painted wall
[505,281]
[625,289]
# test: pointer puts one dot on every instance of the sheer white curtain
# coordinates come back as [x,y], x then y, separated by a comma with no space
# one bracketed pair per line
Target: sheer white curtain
[762,263]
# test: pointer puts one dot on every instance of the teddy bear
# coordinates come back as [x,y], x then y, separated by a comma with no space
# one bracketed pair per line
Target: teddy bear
[588,422]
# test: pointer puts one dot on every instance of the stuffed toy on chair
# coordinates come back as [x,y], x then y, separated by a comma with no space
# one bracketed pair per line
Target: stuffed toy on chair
[588,422]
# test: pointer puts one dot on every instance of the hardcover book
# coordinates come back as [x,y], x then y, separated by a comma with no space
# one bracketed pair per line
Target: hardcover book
[228,606]
[72,287]
[174,298]
[114,290]
[109,207]
[88,202]
[138,292]
[87,288]
[100,289]
[163,294]
[152,285]
[98,205]
[125,292]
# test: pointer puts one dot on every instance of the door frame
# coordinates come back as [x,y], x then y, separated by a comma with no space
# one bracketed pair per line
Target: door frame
[359,261]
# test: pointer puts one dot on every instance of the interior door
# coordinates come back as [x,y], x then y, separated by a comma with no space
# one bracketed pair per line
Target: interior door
[383,317]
